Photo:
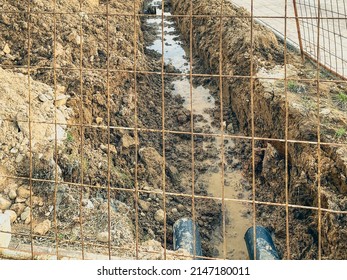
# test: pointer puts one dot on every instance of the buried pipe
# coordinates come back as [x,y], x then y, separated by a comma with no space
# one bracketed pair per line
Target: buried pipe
[265,248]
[149,7]
[184,237]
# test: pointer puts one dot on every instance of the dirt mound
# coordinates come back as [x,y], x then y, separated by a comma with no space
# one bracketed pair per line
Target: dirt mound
[71,53]
[19,101]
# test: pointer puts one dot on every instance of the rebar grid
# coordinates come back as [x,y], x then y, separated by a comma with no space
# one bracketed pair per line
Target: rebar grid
[315,26]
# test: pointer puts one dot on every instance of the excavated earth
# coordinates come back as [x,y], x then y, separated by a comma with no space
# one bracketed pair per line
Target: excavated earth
[69,86]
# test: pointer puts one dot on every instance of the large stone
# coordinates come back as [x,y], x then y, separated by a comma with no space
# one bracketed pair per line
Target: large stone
[20,199]
[6,49]
[159,216]
[27,220]
[173,172]
[104,148]
[325,111]
[42,228]
[42,97]
[12,194]
[182,118]
[128,141]
[23,192]
[144,205]
[103,237]
[19,158]
[25,215]
[104,208]
[343,186]
[5,230]
[14,150]
[78,39]
[4,203]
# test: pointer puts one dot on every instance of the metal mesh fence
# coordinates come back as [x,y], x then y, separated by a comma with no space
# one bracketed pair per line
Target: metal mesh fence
[272,153]
[331,31]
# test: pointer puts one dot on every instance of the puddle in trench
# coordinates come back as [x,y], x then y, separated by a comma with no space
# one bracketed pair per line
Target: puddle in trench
[238,221]
[174,52]
[238,214]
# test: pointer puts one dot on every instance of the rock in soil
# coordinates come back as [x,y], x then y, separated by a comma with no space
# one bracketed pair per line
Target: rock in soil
[159,216]
[103,237]
[22,192]
[42,228]
[4,203]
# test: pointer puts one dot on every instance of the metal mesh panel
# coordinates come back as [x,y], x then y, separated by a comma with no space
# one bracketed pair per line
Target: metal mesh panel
[273,152]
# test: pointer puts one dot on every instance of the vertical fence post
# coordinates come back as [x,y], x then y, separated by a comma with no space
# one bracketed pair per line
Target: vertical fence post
[298,29]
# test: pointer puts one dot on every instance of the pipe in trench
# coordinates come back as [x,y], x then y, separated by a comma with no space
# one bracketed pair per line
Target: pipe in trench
[265,247]
[184,237]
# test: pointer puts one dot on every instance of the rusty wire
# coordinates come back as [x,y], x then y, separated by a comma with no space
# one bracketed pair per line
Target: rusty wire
[136,134]
[55,221]
[82,130]
[108,134]
[309,23]
[319,137]
[222,128]
[30,141]
[286,130]
[191,118]
[146,72]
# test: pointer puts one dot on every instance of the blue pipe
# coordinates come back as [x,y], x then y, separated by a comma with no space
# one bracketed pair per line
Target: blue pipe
[265,248]
[183,237]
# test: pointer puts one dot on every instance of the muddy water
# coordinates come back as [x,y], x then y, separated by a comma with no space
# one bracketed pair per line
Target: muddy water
[238,219]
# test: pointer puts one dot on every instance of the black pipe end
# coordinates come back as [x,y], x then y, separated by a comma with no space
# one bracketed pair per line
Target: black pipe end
[184,237]
[265,247]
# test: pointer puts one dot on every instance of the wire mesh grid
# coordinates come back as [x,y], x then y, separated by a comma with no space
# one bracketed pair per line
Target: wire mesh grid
[290,208]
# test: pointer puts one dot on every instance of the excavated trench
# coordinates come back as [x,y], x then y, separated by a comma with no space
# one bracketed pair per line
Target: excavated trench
[200,97]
